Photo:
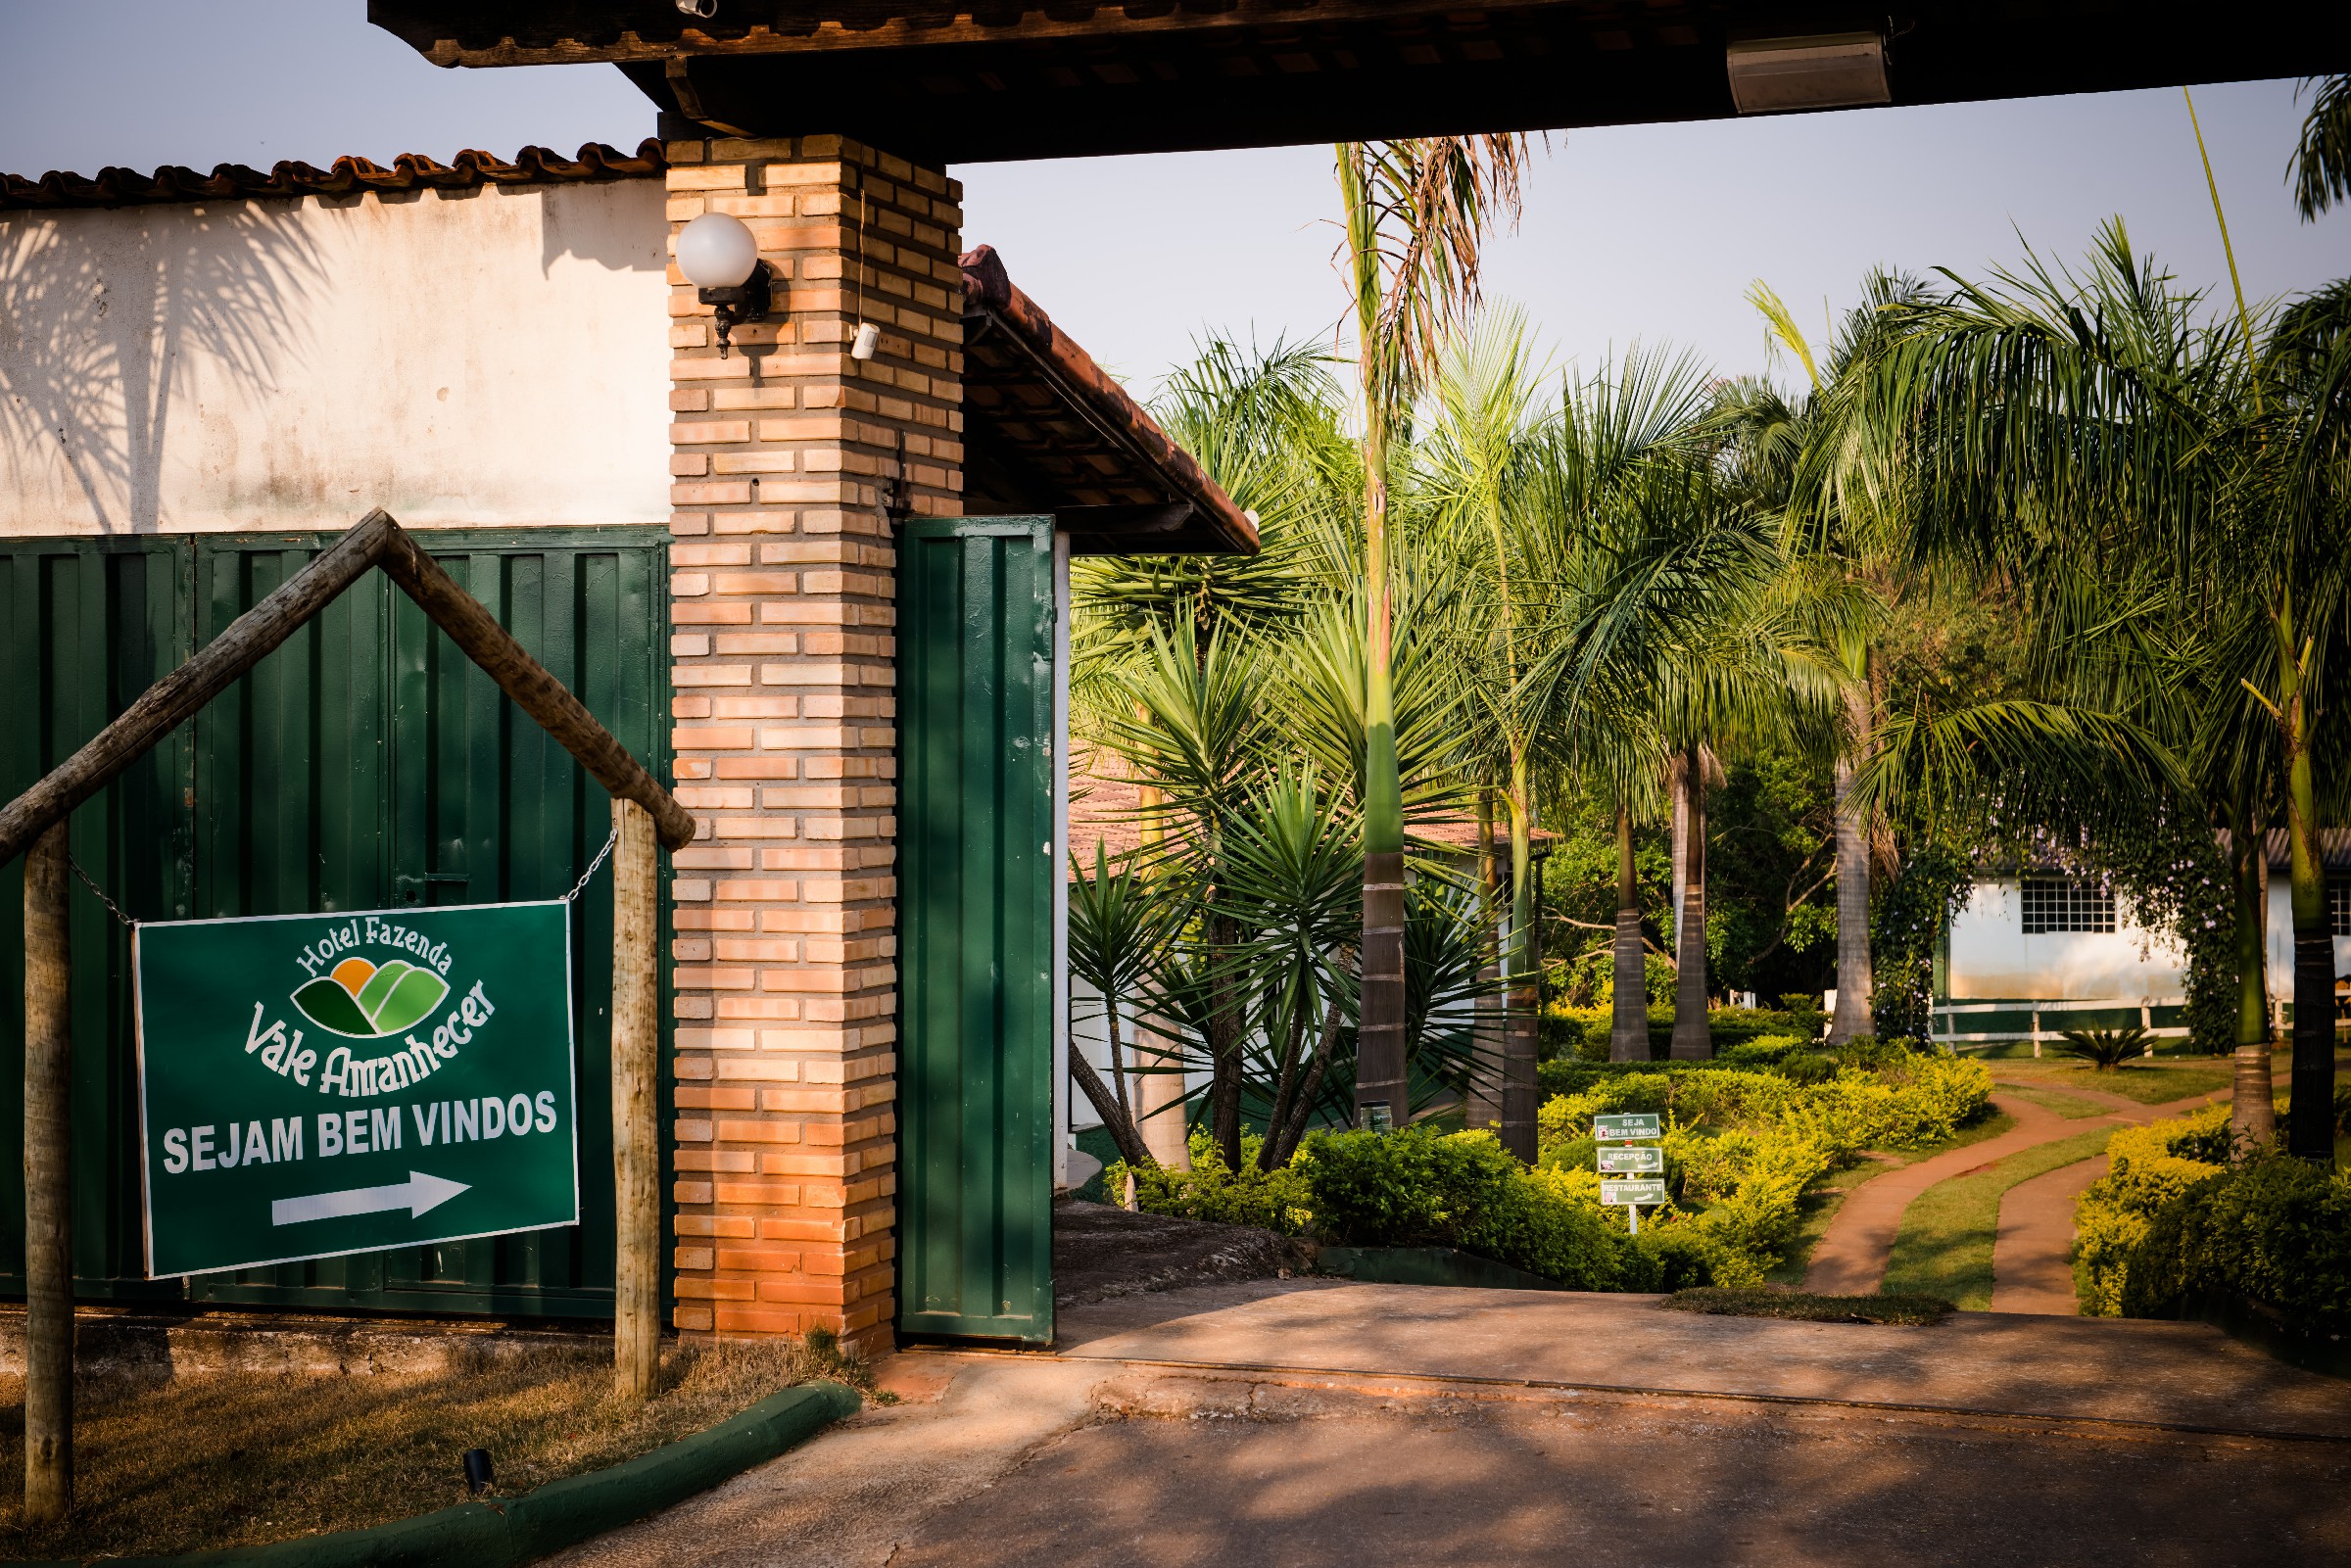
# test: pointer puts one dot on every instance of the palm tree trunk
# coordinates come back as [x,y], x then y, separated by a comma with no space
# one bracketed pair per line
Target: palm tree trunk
[1693,1039]
[1159,1110]
[2253,1112]
[1114,1118]
[2310,1127]
[1855,983]
[1224,1045]
[1628,1024]
[1484,1106]
[1382,1088]
[1519,1038]
[1678,853]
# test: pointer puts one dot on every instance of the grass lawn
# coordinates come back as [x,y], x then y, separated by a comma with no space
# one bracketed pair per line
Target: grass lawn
[1819,1206]
[2072,1107]
[239,1460]
[2147,1082]
[1943,1246]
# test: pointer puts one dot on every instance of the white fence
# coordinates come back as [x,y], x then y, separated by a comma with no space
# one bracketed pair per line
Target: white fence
[2048,1020]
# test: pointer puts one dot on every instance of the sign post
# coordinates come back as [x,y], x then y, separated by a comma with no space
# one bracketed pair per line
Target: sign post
[314,1085]
[1646,1164]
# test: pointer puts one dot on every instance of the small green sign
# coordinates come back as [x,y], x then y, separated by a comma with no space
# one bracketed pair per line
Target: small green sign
[1631,1124]
[1638,1159]
[313,1085]
[1635,1193]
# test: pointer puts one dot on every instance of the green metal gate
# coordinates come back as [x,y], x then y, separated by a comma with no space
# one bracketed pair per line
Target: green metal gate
[364,765]
[976,902]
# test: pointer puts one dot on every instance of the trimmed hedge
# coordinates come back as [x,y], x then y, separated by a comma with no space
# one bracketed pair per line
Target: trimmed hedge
[1743,1144]
[1582,1033]
[2147,1167]
[2173,1225]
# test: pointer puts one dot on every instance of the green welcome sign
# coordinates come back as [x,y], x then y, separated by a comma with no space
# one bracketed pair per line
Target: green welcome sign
[313,1085]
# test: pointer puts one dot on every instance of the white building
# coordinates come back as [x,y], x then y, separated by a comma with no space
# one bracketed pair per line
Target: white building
[2031,955]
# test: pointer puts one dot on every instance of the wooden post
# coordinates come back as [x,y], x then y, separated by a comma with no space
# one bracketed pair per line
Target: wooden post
[48,1184]
[636,1085]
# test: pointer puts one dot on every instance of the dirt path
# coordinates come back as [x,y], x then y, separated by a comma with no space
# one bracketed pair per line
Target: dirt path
[2031,1256]
[2032,1253]
[1851,1256]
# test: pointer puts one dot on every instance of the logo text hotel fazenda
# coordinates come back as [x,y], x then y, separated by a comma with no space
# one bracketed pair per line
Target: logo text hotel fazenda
[370,998]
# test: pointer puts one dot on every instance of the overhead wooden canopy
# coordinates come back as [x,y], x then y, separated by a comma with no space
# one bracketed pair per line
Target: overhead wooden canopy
[971,80]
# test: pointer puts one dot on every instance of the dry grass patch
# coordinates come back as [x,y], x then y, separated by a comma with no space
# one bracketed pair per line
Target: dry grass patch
[238,1459]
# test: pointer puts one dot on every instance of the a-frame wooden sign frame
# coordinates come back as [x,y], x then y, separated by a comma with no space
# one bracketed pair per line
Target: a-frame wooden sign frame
[34,825]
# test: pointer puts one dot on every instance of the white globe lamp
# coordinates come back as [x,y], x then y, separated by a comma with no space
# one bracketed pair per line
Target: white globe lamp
[720,257]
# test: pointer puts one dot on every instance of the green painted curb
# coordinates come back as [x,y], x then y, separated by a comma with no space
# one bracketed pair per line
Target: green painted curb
[508,1533]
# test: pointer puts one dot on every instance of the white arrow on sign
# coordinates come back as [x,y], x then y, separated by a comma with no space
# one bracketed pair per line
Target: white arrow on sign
[416,1195]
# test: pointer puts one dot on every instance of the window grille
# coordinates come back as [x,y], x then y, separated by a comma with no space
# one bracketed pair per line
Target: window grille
[2338,905]
[2063,904]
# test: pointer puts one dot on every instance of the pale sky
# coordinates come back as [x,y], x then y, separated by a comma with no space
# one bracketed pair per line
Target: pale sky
[1649,232]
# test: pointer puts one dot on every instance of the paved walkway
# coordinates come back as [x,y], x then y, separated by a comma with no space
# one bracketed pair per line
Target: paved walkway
[1851,1258]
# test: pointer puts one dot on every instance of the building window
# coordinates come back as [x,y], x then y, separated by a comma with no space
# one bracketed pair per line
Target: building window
[2338,905]
[2062,904]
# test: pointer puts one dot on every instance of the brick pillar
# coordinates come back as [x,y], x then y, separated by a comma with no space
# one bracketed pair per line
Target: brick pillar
[790,463]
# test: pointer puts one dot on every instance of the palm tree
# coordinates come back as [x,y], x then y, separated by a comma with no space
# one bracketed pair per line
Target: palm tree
[1642,414]
[1416,213]
[1677,625]
[2322,166]
[1483,476]
[2100,440]
[1813,462]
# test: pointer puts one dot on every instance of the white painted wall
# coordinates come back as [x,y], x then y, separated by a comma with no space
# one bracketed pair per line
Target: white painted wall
[494,357]
[1991,956]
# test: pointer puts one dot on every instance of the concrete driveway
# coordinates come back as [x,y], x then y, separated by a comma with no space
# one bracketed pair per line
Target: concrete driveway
[1306,1424]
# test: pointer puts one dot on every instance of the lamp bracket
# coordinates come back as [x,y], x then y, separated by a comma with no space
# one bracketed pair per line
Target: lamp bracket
[747,301]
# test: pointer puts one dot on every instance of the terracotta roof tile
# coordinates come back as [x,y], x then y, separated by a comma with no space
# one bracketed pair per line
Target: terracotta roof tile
[127,187]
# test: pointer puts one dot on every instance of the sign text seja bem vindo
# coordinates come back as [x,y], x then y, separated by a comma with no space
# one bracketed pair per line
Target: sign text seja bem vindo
[312,1086]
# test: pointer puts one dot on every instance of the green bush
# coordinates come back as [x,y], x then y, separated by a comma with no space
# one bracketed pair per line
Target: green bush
[1744,1144]
[2146,1169]
[1913,1100]
[2105,1050]
[1421,1188]
[1567,1032]
[2172,1222]
[2276,1229]
[1271,1200]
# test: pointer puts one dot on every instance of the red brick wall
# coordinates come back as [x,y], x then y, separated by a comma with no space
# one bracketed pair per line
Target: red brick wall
[786,458]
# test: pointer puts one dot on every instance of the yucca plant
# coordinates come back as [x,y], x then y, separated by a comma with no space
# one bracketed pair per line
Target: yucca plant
[2106,1050]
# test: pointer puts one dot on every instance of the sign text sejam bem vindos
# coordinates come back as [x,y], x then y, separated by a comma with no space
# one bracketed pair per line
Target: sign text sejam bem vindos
[312,1086]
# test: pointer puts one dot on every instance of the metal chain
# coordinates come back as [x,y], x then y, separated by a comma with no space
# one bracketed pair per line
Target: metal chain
[581,887]
[112,907]
[577,888]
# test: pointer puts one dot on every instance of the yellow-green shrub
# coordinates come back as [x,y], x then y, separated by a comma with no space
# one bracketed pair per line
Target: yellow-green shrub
[2147,1167]
[2274,1229]
[1271,1200]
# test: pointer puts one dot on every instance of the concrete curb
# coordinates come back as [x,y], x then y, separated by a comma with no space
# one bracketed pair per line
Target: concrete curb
[1426,1266]
[508,1533]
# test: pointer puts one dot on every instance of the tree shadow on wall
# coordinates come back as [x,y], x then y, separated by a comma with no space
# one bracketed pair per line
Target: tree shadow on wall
[105,318]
